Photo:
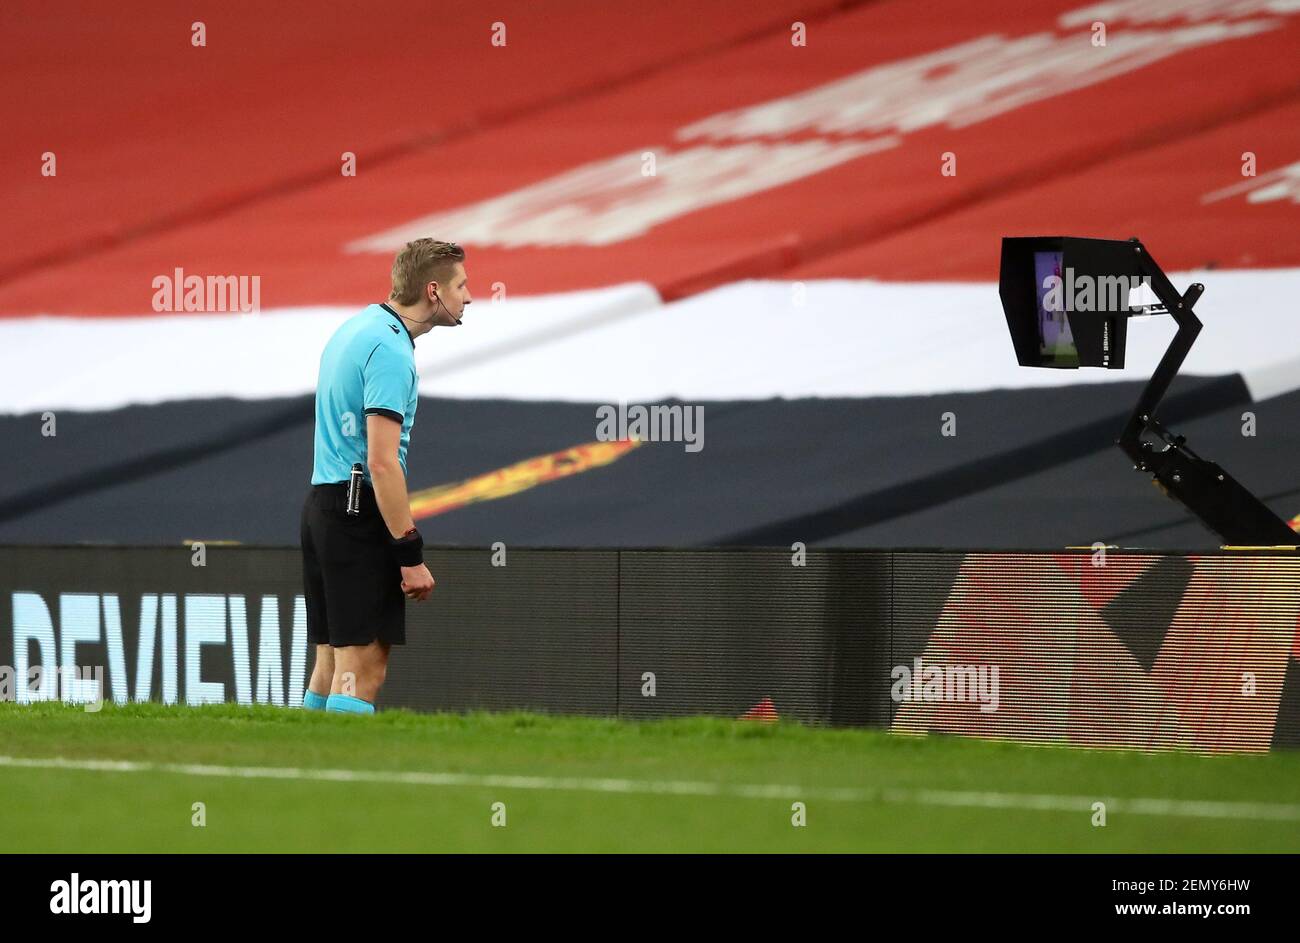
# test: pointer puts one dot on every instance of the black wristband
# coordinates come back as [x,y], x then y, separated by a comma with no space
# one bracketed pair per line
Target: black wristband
[409,550]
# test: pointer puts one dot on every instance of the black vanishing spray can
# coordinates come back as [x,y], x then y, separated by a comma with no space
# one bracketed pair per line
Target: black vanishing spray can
[354,489]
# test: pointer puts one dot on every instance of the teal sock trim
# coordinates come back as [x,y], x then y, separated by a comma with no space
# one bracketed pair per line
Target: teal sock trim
[347,704]
[313,701]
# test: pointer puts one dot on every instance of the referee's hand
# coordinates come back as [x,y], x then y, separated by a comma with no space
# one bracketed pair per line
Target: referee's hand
[417,582]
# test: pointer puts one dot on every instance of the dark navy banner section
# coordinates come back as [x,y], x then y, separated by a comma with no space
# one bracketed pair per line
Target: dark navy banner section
[996,468]
[1091,648]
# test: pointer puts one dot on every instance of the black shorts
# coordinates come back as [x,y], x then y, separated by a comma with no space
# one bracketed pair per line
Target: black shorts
[353,583]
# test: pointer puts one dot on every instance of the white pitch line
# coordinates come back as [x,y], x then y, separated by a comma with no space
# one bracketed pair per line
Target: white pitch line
[1176,808]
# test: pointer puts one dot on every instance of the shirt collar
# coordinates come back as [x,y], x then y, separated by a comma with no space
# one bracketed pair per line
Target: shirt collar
[384,305]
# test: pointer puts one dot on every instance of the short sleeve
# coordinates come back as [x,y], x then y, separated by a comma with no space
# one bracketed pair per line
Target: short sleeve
[387,379]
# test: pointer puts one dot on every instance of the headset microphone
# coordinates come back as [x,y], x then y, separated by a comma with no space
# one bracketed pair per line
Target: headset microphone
[448,310]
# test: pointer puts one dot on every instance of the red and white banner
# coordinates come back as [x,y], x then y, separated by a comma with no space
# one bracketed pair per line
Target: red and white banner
[696,148]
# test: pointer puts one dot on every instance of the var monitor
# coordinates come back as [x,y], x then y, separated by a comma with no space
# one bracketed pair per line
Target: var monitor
[1067,300]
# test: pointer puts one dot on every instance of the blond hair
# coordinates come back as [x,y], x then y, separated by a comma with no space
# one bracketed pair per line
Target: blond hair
[419,263]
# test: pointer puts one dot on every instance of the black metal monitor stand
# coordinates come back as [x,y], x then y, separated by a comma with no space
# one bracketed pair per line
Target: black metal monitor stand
[1222,503]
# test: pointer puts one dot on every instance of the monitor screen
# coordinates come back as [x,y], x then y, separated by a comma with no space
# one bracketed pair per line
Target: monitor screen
[1055,342]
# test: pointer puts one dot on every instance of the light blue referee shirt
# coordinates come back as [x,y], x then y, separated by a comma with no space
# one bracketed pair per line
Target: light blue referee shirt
[368,366]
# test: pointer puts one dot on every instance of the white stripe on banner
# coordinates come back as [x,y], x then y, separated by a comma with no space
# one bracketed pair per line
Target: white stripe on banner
[1173,808]
[749,340]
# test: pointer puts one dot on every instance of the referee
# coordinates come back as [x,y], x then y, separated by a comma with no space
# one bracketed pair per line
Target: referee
[360,568]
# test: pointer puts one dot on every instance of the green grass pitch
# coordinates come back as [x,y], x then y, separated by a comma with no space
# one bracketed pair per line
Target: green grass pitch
[432,783]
